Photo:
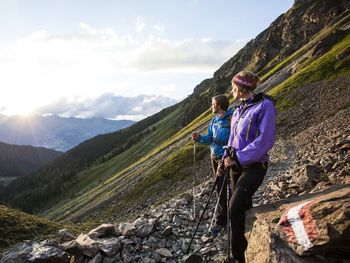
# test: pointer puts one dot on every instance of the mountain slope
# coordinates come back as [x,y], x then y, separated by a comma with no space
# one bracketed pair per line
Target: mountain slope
[106,175]
[16,226]
[17,161]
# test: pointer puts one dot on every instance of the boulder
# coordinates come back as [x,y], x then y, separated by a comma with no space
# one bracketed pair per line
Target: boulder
[71,247]
[65,235]
[109,246]
[308,177]
[144,230]
[311,228]
[87,246]
[127,229]
[44,252]
[104,230]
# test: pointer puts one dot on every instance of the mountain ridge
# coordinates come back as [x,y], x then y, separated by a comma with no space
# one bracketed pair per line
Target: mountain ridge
[53,131]
[20,160]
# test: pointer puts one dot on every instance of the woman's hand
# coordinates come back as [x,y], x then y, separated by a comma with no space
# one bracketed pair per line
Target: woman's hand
[195,136]
[228,162]
[220,169]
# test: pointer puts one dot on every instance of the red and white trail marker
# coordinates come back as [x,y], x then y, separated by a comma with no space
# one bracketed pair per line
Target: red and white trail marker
[299,226]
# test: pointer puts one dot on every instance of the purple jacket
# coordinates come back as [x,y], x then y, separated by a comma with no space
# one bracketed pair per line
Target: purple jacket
[253,129]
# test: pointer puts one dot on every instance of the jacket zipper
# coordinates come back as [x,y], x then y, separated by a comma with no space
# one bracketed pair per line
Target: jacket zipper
[241,113]
[250,122]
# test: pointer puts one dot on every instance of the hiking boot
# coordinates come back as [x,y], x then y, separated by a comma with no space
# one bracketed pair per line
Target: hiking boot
[216,229]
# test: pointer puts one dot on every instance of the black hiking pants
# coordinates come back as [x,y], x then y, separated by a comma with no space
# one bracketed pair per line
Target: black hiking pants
[221,212]
[244,184]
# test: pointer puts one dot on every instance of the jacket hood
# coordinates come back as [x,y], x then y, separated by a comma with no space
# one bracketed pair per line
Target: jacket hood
[228,112]
[261,96]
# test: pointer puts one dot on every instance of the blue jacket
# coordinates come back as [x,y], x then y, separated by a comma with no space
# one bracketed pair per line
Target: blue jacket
[218,133]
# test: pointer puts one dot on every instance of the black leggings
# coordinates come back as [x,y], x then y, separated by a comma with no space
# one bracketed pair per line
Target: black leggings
[221,212]
[244,185]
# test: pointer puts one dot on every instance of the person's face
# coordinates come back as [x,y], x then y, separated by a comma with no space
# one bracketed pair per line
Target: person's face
[214,106]
[235,91]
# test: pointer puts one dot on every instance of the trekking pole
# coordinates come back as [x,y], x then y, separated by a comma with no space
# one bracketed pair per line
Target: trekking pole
[217,202]
[228,221]
[201,217]
[228,214]
[194,180]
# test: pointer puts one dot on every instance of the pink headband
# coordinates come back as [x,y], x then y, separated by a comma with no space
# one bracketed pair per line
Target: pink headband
[244,83]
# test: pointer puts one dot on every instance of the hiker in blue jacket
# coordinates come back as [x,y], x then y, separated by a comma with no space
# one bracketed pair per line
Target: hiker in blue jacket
[217,137]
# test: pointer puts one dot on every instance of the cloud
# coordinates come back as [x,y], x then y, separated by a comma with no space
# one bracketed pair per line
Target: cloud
[159,28]
[108,106]
[140,24]
[43,66]
[188,55]
[112,51]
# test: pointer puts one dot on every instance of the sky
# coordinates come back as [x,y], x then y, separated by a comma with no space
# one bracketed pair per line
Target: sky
[118,59]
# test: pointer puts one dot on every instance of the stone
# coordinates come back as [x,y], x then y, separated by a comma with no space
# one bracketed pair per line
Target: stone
[205,239]
[144,230]
[97,259]
[148,260]
[77,259]
[65,235]
[104,230]
[167,231]
[109,246]
[154,221]
[34,252]
[114,259]
[140,221]
[127,229]
[345,147]
[187,196]
[126,255]
[164,252]
[87,246]
[182,201]
[309,176]
[312,172]
[326,220]
[71,247]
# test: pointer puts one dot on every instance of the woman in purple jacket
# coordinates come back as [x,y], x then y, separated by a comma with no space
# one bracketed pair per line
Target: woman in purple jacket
[252,135]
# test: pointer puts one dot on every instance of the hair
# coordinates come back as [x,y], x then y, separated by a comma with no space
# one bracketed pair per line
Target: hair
[222,101]
[248,76]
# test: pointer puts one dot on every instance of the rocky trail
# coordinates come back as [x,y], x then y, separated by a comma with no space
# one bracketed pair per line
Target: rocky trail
[314,164]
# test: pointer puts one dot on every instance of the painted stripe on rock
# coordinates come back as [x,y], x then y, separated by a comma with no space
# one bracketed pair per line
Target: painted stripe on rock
[299,226]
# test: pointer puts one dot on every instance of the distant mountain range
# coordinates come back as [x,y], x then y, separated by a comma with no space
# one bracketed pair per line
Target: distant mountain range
[17,161]
[55,132]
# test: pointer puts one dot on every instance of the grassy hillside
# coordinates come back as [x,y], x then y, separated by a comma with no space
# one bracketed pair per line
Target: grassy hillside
[144,181]
[16,226]
[332,64]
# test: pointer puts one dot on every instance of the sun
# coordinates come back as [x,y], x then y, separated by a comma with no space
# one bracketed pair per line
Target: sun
[20,110]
